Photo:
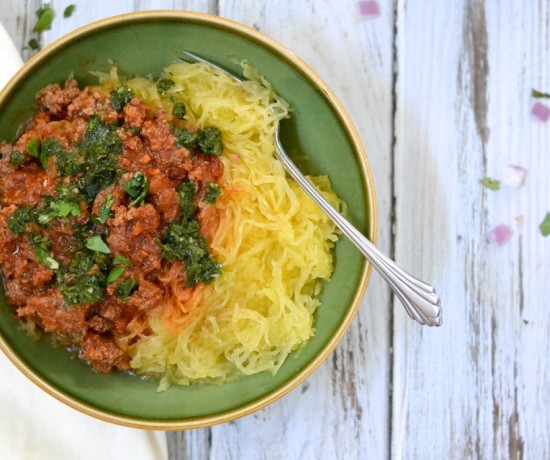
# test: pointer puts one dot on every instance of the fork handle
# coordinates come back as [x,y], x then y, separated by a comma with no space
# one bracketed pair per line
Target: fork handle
[419,298]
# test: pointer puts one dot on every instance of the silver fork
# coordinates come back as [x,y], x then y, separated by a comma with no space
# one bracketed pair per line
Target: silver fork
[419,298]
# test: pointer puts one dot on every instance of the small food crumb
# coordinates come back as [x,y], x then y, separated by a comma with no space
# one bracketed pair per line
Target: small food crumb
[369,9]
[500,234]
[490,183]
[541,111]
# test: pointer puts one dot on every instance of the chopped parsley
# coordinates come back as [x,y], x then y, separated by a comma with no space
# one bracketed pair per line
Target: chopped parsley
[55,209]
[492,184]
[213,191]
[186,138]
[186,193]
[20,219]
[33,148]
[95,243]
[121,96]
[121,263]
[105,209]
[83,288]
[137,188]
[45,18]
[17,158]
[42,247]
[183,241]
[126,288]
[164,84]
[210,141]
[179,110]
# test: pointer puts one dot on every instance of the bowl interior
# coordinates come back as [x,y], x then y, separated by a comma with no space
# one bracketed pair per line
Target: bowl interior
[144,44]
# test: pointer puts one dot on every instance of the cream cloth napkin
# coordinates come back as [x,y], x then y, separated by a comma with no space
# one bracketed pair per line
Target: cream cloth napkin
[34,425]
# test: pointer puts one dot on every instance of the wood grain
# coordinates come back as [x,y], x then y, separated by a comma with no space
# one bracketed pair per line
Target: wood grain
[440,93]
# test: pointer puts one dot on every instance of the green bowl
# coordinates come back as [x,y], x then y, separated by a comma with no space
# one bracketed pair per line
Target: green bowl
[142,44]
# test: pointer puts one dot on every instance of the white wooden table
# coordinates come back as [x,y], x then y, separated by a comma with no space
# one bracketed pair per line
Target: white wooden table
[440,92]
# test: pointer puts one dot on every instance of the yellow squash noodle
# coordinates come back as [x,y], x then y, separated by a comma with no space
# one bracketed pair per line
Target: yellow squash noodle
[273,242]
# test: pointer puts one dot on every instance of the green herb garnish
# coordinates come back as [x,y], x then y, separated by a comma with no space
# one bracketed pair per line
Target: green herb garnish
[69,11]
[57,208]
[33,148]
[42,247]
[538,94]
[121,96]
[492,184]
[95,243]
[183,241]
[213,191]
[20,219]
[105,209]
[545,225]
[33,44]
[126,288]
[83,288]
[179,110]
[164,84]
[137,188]
[45,18]
[186,138]
[210,141]
[186,193]
[17,158]
[121,263]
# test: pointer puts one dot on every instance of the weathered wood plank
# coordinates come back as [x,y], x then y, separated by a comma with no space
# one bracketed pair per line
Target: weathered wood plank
[474,388]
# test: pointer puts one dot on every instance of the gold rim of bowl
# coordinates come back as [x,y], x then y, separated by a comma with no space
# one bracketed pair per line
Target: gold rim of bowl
[304,69]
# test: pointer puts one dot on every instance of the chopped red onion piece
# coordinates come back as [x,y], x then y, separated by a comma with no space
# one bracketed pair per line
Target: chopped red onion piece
[514,176]
[541,111]
[369,9]
[500,234]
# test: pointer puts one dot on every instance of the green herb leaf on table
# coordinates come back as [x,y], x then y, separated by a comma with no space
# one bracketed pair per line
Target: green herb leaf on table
[33,44]
[45,18]
[545,225]
[69,11]
[96,243]
[539,94]
[491,184]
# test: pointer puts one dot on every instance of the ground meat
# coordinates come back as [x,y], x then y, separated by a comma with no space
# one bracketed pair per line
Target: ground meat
[55,99]
[173,162]
[103,353]
[89,102]
[164,196]
[22,272]
[23,186]
[135,113]
[132,232]
[147,296]
[50,311]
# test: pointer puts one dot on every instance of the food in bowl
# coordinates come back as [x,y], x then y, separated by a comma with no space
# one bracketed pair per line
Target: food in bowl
[147,224]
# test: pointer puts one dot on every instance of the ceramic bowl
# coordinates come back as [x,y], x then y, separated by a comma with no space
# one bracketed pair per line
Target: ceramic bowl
[319,129]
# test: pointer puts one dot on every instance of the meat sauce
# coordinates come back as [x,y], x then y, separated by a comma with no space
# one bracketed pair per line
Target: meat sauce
[99,195]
